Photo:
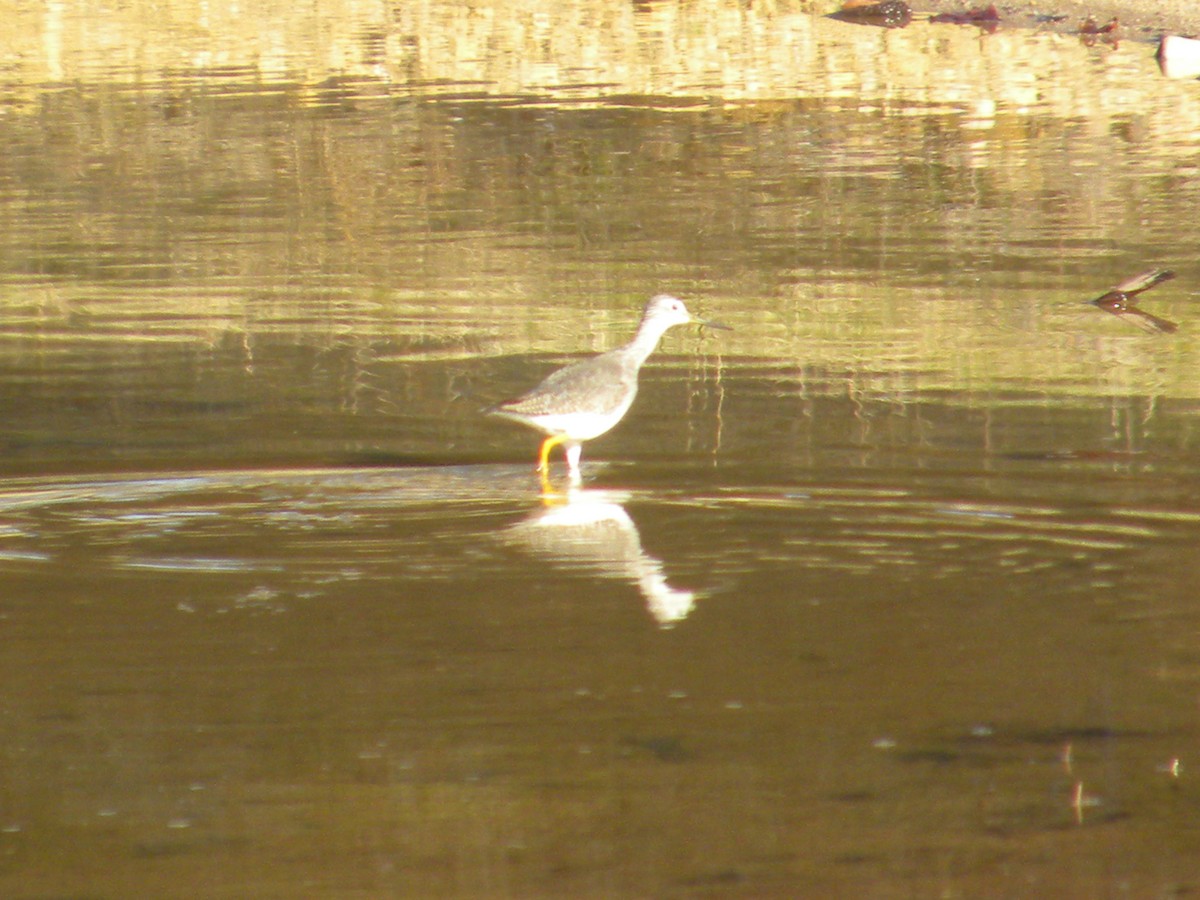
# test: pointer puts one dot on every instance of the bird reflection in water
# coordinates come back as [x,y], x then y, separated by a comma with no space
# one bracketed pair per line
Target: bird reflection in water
[590,530]
[1119,301]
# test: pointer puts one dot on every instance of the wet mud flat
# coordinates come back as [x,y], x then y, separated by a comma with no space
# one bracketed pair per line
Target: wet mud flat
[1139,19]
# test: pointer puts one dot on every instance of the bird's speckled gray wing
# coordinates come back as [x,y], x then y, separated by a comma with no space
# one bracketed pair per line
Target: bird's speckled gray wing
[599,384]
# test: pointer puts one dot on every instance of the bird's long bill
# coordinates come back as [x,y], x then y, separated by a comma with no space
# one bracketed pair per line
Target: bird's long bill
[708,323]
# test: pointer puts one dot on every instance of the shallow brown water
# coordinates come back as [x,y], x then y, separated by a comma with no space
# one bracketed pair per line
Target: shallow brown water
[888,592]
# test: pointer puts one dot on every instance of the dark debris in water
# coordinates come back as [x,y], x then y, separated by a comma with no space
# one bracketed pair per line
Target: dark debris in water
[883,14]
[982,748]
[941,756]
[1081,734]
[664,748]
[1119,301]
[1089,26]
[1092,32]
[986,17]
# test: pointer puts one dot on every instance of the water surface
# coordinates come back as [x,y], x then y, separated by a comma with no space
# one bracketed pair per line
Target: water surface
[888,591]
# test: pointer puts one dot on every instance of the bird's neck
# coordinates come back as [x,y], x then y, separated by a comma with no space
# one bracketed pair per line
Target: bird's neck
[645,341]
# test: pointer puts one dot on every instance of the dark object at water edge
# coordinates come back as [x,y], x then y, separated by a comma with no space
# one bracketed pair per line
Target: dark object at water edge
[1118,301]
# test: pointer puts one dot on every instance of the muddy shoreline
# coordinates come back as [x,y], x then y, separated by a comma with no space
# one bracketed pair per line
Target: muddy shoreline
[1139,20]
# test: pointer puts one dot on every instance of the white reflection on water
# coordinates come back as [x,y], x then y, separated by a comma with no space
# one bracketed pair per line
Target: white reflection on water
[194,564]
[239,537]
[590,529]
[586,529]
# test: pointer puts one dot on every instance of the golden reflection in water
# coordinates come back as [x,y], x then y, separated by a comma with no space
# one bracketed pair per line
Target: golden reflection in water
[285,672]
[590,530]
[576,52]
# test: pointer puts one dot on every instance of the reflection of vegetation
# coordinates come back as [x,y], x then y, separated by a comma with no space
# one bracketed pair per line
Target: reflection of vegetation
[411,194]
[886,244]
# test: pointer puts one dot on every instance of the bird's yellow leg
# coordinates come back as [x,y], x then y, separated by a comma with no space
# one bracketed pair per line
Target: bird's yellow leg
[547,445]
[550,497]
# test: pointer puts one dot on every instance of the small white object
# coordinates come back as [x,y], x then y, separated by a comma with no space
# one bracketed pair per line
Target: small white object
[1179,57]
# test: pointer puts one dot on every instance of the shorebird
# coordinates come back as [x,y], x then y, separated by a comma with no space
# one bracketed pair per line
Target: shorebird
[1119,300]
[584,400]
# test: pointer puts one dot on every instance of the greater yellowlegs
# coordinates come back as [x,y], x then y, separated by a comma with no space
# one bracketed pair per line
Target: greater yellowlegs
[586,399]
